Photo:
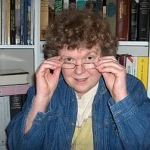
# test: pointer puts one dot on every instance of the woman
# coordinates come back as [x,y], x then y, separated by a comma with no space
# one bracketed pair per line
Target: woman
[83,98]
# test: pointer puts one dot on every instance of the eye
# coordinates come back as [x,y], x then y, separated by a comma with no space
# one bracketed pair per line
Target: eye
[68,60]
[90,58]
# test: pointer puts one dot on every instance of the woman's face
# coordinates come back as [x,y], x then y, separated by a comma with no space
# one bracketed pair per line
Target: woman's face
[78,68]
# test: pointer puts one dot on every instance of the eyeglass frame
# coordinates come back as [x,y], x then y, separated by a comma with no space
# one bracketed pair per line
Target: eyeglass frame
[78,65]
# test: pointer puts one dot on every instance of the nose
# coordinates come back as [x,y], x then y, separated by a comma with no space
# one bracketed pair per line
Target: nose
[79,69]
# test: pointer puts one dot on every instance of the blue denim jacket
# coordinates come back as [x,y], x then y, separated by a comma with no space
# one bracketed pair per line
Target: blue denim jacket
[116,126]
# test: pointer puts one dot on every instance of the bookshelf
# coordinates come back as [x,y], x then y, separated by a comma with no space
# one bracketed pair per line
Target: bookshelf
[136,48]
[23,56]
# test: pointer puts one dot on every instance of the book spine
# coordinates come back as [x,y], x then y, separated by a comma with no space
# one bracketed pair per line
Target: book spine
[28,22]
[72,4]
[58,7]
[51,11]
[44,12]
[66,4]
[90,4]
[2,134]
[22,20]
[23,13]
[6,111]
[0,22]
[17,22]
[12,22]
[142,70]
[32,21]
[134,66]
[111,15]
[8,22]
[16,103]
[122,20]
[3,22]
[99,6]
[25,30]
[122,59]
[133,20]
[80,4]
[129,64]
[4,118]
[14,89]
[144,14]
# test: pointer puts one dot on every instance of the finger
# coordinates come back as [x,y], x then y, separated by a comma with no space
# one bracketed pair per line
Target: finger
[114,68]
[107,58]
[108,63]
[110,68]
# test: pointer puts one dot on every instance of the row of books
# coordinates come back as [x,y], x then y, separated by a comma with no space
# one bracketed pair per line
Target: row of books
[136,66]
[129,19]
[13,91]
[17,22]
[132,20]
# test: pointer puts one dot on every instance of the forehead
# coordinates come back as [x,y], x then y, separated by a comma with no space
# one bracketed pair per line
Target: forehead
[81,51]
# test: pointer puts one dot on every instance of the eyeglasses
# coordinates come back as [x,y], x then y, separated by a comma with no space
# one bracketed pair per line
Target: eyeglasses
[72,65]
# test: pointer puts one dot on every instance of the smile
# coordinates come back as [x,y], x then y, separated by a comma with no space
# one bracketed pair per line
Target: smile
[81,80]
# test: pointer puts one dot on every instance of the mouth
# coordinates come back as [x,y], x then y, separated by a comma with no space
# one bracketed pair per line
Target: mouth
[81,80]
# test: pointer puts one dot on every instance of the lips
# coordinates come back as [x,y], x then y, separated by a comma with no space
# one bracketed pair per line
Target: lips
[81,80]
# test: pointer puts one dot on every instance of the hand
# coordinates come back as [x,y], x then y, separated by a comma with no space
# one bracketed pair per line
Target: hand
[46,82]
[114,75]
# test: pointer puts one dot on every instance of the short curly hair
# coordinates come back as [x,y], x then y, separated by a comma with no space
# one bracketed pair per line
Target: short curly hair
[79,28]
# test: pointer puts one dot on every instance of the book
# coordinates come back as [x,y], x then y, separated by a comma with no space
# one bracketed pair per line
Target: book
[17,22]
[7,34]
[0,22]
[129,64]
[12,23]
[98,6]
[89,4]
[7,90]
[29,22]
[32,22]
[80,4]
[4,118]
[22,14]
[16,103]
[111,15]
[44,18]
[134,67]
[13,76]
[51,11]
[123,20]
[142,70]
[66,4]
[23,21]
[143,23]
[72,4]
[3,22]
[25,24]
[58,6]
[122,59]
[133,20]
[9,107]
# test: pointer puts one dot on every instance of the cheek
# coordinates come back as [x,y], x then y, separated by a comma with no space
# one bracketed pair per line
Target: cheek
[67,73]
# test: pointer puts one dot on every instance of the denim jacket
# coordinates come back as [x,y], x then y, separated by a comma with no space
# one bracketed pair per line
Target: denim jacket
[116,126]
